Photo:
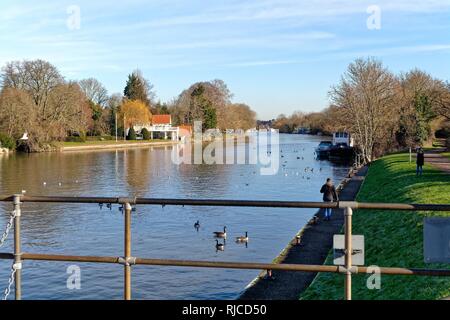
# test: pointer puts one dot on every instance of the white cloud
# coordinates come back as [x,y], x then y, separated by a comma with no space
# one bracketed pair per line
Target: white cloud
[309,10]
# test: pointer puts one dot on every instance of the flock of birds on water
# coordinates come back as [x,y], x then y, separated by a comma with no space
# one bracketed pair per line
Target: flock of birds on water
[283,165]
[297,173]
[220,246]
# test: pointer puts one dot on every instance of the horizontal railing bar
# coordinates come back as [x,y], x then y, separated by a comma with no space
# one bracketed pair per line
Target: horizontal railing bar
[233,203]
[4,256]
[227,265]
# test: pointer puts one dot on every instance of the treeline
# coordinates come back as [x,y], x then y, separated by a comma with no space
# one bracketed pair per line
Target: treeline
[37,100]
[383,111]
[211,102]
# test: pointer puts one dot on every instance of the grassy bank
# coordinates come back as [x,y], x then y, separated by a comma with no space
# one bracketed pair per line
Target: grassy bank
[104,142]
[392,238]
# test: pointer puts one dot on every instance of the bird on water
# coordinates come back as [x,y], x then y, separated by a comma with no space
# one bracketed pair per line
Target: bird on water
[242,239]
[221,234]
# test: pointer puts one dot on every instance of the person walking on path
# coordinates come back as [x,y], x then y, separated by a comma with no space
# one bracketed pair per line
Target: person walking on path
[420,160]
[329,195]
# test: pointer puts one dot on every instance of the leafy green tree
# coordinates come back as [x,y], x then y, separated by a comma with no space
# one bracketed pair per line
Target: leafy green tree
[202,109]
[138,88]
[160,108]
[131,134]
[209,116]
[424,115]
[114,103]
[145,134]
[96,111]
[7,142]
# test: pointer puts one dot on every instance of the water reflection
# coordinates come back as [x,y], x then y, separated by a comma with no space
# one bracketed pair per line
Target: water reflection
[157,232]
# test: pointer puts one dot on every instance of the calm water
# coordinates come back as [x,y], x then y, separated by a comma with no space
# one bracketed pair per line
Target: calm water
[157,232]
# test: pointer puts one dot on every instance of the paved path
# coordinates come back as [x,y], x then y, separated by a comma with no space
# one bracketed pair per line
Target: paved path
[439,161]
[316,242]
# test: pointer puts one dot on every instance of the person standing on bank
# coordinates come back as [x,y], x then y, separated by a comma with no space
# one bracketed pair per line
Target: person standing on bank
[420,160]
[329,195]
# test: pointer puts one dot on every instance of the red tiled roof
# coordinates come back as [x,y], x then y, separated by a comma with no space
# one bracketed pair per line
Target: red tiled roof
[161,119]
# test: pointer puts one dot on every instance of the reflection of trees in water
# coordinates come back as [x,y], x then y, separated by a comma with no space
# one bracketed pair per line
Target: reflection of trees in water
[30,171]
[137,164]
[62,173]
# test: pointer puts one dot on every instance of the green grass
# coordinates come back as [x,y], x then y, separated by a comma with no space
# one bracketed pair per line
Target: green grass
[446,154]
[392,238]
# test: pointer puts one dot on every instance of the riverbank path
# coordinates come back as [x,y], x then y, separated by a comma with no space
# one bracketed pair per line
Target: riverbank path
[315,243]
[436,159]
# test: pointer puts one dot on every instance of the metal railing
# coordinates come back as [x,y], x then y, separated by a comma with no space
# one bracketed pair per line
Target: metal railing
[128,260]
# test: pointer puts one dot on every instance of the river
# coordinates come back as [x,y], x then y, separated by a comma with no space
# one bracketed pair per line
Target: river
[157,232]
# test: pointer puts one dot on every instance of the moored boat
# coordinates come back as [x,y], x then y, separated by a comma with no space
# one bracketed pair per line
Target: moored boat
[342,148]
[322,150]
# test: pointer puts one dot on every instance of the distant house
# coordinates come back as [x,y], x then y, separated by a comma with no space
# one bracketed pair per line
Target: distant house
[162,125]
[185,132]
[162,121]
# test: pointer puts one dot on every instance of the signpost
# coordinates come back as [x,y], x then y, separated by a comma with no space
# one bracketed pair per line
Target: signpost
[436,240]
[357,250]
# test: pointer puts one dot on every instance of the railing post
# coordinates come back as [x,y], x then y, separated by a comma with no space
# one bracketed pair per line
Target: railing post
[348,253]
[17,249]
[127,251]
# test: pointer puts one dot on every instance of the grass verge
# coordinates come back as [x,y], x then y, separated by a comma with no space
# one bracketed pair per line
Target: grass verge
[392,238]
[105,142]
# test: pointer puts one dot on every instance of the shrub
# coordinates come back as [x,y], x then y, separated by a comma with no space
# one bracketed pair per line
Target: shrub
[120,133]
[145,134]
[81,138]
[7,142]
[100,138]
[131,134]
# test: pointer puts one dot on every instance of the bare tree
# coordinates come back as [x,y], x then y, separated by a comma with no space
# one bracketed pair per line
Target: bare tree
[48,106]
[367,97]
[442,106]
[423,99]
[94,91]
[36,77]
[239,116]
[114,101]
[16,112]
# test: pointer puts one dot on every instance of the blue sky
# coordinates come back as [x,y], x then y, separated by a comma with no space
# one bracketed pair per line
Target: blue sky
[277,56]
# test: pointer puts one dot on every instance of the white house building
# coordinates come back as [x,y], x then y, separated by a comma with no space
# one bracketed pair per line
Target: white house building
[161,123]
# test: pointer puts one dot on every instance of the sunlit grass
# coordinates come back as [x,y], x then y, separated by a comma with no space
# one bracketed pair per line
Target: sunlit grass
[105,142]
[393,238]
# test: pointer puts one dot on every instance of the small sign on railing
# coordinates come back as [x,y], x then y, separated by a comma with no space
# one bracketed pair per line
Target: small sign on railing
[436,240]
[357,250]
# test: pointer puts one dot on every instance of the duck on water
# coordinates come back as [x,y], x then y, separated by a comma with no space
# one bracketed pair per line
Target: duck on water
[221,234]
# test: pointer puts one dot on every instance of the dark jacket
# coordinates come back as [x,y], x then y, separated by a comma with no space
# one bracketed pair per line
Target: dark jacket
[420,158]
[329,193]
